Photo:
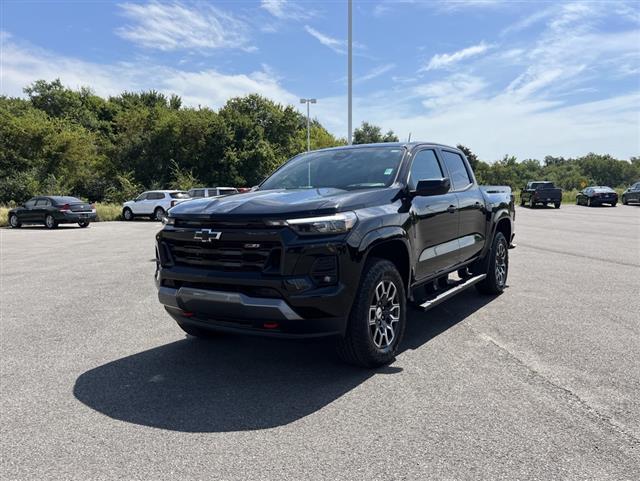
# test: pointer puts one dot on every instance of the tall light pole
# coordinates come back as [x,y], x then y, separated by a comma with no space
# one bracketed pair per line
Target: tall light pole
[308,101]
[349,74]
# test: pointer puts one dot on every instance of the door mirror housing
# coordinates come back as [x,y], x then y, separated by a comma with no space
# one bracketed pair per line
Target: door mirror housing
[429,187]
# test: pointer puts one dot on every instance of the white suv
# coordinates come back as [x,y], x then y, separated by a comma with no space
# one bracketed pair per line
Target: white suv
[153,203]
[212,191]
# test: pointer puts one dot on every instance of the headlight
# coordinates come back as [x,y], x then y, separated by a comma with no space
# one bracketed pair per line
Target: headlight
[166,220]
[331,224]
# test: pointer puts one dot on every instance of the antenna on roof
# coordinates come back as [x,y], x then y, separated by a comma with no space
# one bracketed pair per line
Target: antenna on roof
[409,139]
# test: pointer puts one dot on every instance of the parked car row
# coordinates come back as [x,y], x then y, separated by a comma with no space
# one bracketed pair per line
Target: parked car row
[51,211]
[544,192]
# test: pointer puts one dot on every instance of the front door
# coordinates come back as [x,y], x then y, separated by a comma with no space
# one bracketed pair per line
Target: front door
[435,218]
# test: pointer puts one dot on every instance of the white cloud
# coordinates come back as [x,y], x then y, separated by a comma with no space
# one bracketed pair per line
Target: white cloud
[450,91]
[286,10]
[23,64]
[445,60]
[338,46]
[176,26]
[376,72]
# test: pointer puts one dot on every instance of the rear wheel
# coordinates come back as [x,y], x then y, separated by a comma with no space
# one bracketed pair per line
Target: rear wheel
[497,267]
[84,223]
[50,222]
[624,200]
[614,204]
[158,214]
[127,214]
[589,202]
[532,204]
[557,204]
[14,222]
[378,317]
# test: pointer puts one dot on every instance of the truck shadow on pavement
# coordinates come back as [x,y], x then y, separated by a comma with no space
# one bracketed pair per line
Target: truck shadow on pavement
[237,383]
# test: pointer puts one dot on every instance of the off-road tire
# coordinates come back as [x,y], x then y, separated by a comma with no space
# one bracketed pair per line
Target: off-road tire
[357,345]
[492,284]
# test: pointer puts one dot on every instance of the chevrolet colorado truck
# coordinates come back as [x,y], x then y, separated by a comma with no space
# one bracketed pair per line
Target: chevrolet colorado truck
[337,242]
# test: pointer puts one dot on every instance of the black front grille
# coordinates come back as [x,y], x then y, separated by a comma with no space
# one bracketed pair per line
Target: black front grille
[247,256]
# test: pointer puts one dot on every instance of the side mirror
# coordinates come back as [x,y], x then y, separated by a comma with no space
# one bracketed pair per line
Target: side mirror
[430,187]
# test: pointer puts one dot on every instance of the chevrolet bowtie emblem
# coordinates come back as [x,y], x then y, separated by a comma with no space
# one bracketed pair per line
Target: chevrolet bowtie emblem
[206,235]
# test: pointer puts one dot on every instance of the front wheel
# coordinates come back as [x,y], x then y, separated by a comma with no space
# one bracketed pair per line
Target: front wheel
[378,317]
[624,200]
[84,223]
[50,222]
[557,204]
[589,202]
[14,222]
[127,214]
[532,204]
[497,267]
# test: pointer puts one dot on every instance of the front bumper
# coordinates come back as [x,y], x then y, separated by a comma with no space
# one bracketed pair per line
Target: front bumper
[237,312]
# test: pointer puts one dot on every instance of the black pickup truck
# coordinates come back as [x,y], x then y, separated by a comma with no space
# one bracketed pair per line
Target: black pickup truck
[540,192]
[337,242]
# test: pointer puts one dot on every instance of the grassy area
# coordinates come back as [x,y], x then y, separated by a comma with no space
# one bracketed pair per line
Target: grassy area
[106,212]
[4,220]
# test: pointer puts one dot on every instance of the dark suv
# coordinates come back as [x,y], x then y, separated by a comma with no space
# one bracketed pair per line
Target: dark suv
[336,242]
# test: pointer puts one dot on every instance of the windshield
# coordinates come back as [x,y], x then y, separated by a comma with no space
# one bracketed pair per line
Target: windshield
[348,169]
[603,189]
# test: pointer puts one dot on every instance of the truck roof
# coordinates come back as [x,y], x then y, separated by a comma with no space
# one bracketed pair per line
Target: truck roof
[408,145]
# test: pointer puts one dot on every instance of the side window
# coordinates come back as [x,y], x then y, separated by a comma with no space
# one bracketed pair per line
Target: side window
[425,166]
[460,178]
[30,203]
[42,203]
[155,196]
[142,196]
[197,193]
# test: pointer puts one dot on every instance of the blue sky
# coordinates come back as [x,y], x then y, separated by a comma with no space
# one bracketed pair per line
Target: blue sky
[522,78]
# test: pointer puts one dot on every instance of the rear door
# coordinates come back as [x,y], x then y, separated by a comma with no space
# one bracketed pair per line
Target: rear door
[434,218]
[39,210]
[471,205]
[156,199]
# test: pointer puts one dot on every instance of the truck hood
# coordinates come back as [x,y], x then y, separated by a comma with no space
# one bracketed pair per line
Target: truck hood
[276,203]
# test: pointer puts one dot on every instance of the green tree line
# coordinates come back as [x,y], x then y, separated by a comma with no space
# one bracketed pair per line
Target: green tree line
[59,140]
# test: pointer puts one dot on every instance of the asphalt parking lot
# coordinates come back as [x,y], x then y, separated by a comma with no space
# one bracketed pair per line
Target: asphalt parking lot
[542,382]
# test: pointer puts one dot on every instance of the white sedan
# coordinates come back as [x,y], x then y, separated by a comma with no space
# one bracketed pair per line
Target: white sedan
[153,203]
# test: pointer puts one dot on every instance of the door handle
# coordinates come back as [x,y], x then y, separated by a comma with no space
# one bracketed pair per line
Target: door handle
[451,209]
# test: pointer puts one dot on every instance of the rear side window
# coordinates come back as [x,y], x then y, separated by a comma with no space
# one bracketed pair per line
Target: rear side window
[179,195]
[459,176]
[30,203]
[197,193]
[425,166]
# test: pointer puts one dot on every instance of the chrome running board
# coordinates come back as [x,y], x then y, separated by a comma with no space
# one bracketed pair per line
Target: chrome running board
[452,292]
